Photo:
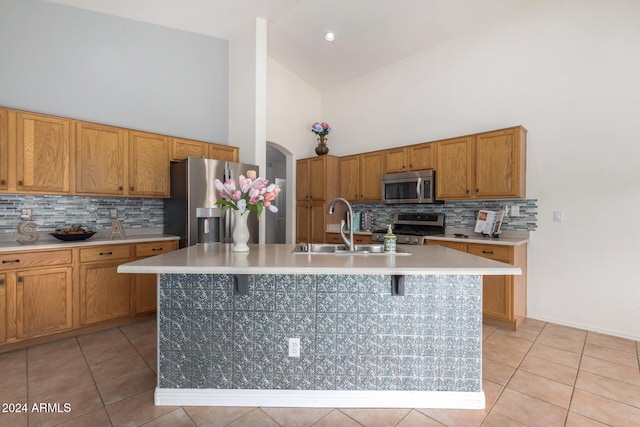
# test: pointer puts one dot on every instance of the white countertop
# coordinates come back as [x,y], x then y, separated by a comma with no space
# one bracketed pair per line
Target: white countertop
[100,238]
[216,258]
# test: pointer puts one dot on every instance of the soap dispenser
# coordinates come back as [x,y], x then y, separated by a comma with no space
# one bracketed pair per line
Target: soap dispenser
[389,241]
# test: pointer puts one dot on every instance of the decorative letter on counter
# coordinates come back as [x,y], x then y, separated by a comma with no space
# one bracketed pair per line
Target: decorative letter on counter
[27,229]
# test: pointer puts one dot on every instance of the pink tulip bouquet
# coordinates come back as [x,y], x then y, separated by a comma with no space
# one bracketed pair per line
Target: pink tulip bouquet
[250,194]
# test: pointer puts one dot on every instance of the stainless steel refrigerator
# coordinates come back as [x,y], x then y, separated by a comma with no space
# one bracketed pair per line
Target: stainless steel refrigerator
[191,212]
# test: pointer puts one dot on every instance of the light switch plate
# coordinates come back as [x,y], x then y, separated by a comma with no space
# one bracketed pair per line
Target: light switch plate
[558,216]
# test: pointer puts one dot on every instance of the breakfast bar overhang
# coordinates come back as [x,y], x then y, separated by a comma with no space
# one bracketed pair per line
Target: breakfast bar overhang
[374,330]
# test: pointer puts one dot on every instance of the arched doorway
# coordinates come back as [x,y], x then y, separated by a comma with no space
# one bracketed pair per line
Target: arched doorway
[279,170]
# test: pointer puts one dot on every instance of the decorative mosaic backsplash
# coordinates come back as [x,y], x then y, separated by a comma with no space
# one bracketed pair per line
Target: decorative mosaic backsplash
[60,211]
[354,335]
[459,214]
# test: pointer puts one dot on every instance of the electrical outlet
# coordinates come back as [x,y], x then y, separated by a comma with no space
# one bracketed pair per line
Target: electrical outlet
[515,210]
[25,214]
[113,214]
[294,347]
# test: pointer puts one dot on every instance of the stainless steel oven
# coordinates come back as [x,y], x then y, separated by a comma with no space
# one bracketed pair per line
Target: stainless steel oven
[409,187]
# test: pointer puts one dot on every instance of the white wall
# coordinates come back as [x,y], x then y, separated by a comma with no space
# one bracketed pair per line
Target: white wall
[84,65]
[567,71]
[292,107]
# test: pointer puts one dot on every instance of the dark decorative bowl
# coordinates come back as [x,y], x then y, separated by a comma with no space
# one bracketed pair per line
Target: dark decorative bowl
[73,236]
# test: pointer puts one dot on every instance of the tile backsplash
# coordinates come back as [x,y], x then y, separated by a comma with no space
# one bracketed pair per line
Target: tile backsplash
[459,213]
[93,212]
[60,211]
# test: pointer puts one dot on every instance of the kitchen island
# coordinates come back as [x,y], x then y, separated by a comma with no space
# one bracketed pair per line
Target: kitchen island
[371,330]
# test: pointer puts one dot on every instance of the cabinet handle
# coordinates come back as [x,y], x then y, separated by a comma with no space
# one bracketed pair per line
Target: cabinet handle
[131,188]
[121,188]
[488,252]
[410,165]
[1,282]
[10,261]
[156,249]
[106,253]
[20,183]
[3,182]
[467,191]
[19,279]
[477,190]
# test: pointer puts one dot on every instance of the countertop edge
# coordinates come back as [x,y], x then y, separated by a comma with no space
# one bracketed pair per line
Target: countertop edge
[42,245]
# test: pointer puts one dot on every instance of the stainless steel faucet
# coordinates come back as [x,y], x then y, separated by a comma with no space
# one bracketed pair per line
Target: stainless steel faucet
[348,243]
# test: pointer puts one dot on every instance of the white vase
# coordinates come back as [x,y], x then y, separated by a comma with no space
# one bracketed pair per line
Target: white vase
[240,232]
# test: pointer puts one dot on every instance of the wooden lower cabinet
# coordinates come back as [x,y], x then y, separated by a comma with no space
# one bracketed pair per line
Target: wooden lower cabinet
[45,292]
[311,222]
[36,294]
[104,293]
[3,308]
[358,239]
[504,298]
[43,301]
[146,294]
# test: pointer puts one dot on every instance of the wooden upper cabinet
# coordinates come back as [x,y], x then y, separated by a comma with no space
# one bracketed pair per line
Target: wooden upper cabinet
[183,148]
[148,164]
[454,166]
[4,149]
[350,177]
[224,152]
[43,153]
[317,178]
[411,158]
[360,176]
[396,160]
[421,156]
[101,159]
[500,163]
[488,165]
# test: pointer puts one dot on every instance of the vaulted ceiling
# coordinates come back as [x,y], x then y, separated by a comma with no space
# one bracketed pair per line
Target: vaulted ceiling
[370,34]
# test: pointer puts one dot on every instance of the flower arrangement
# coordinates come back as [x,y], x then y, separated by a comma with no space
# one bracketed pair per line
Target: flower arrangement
[252,195]
[321,128]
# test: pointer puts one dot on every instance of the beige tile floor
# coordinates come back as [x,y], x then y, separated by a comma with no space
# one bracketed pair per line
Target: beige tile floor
[542,375]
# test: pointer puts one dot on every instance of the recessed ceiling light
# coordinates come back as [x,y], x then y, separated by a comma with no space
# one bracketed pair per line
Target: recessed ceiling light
[329,37]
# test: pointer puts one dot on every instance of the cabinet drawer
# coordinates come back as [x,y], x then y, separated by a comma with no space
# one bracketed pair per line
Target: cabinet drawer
[104,253]
[498,253]
[21,260]
[154,248]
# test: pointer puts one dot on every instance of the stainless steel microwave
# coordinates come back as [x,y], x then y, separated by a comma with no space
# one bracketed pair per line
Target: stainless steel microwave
[409,187]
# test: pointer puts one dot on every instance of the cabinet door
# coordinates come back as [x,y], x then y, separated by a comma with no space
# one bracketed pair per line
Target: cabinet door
[3,308]
[303,224]
[43,301]
[422,156]
[318,212]
[350,177]
[222,152]
[371,171]
[499,172]
[454,166]
[497,291]
[148,165]
[396,160]
[4,149]
[317,178]
[104,293]
[101,157]
[146,297]
[43,149]
[183,148]
[303,176]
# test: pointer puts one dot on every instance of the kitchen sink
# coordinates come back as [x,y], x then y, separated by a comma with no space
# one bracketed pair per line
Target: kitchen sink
[333,249]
